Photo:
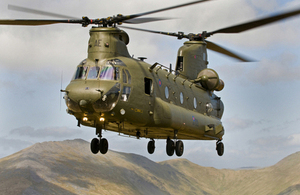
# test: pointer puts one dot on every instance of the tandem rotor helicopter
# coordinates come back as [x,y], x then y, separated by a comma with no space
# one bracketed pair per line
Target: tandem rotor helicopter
[113,91]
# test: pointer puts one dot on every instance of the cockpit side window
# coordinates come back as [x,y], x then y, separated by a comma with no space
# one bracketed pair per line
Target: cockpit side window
[125,93]
[117,74]
[124,76]
[93,73]
[81,72]
[128,76]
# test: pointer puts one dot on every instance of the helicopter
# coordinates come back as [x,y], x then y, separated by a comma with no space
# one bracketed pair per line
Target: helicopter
[113,91]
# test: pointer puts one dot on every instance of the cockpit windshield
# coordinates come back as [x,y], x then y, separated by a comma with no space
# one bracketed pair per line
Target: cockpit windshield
[106,72]
[94,72]
[81,72]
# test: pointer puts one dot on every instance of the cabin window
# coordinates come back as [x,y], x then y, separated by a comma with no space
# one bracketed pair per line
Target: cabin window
[179,65]
[125,93]
[167,92]
[181,97]
[93,73]
[148,86]
[81,72]
[195,103]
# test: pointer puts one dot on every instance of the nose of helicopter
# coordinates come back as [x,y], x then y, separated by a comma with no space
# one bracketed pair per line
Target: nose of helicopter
[92,96]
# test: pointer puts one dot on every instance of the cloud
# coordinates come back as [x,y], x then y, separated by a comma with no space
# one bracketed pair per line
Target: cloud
[11,145]
[31,60]
[274,145]
[55,132]
[15,144]
[294,140]
[236,123]
[264,5]
[280,68]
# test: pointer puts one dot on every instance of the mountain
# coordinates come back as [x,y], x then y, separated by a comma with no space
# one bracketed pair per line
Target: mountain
[68,167]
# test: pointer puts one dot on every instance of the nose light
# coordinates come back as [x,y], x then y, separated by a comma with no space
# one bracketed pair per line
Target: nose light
[83,103]
[122,111]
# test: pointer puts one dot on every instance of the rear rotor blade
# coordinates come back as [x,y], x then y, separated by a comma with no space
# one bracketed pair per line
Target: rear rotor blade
[256,23]
[214,47]
[210,45]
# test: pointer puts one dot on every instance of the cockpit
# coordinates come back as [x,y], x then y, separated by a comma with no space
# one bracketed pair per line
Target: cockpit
[105,72]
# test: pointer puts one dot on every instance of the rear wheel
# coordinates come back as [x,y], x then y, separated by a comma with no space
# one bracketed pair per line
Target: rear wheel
[151,147]
[220,148]
[179,148]
[170,147]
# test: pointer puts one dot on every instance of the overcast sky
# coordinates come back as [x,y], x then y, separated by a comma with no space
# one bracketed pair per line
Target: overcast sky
[261,99]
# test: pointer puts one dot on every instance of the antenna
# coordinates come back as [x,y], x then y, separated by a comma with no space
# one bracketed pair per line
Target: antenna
[60,97]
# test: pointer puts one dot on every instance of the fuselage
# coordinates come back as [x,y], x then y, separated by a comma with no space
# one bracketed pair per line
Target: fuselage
[132,97]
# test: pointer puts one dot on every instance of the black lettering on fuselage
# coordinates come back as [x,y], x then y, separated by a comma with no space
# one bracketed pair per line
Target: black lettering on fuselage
[98,43]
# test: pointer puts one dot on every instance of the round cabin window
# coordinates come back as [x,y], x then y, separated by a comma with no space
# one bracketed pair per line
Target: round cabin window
[181,97]
[167,92]
[195,103]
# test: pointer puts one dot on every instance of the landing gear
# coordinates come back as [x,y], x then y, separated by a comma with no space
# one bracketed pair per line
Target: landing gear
[99,144]
[151,146]
[176,147]
[220,148]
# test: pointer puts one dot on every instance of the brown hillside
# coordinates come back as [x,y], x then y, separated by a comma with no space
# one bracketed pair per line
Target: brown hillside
[68,167]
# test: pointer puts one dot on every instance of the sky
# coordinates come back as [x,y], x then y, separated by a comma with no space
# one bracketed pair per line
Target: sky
[261,98]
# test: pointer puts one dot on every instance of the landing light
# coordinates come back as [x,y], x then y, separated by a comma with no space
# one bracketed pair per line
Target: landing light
[102,119]
[85,119]
[122,111]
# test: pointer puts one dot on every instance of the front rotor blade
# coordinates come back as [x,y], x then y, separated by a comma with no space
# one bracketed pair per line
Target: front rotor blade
[144,20]
[164,9]
[255,23]
[151,31]
[34,11]
[214,47]
[37,22]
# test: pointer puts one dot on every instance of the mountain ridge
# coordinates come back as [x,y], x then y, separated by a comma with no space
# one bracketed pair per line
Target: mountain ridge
[68,167]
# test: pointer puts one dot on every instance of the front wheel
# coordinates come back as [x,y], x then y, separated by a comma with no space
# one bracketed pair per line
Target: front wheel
[95,145]
[103,146]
